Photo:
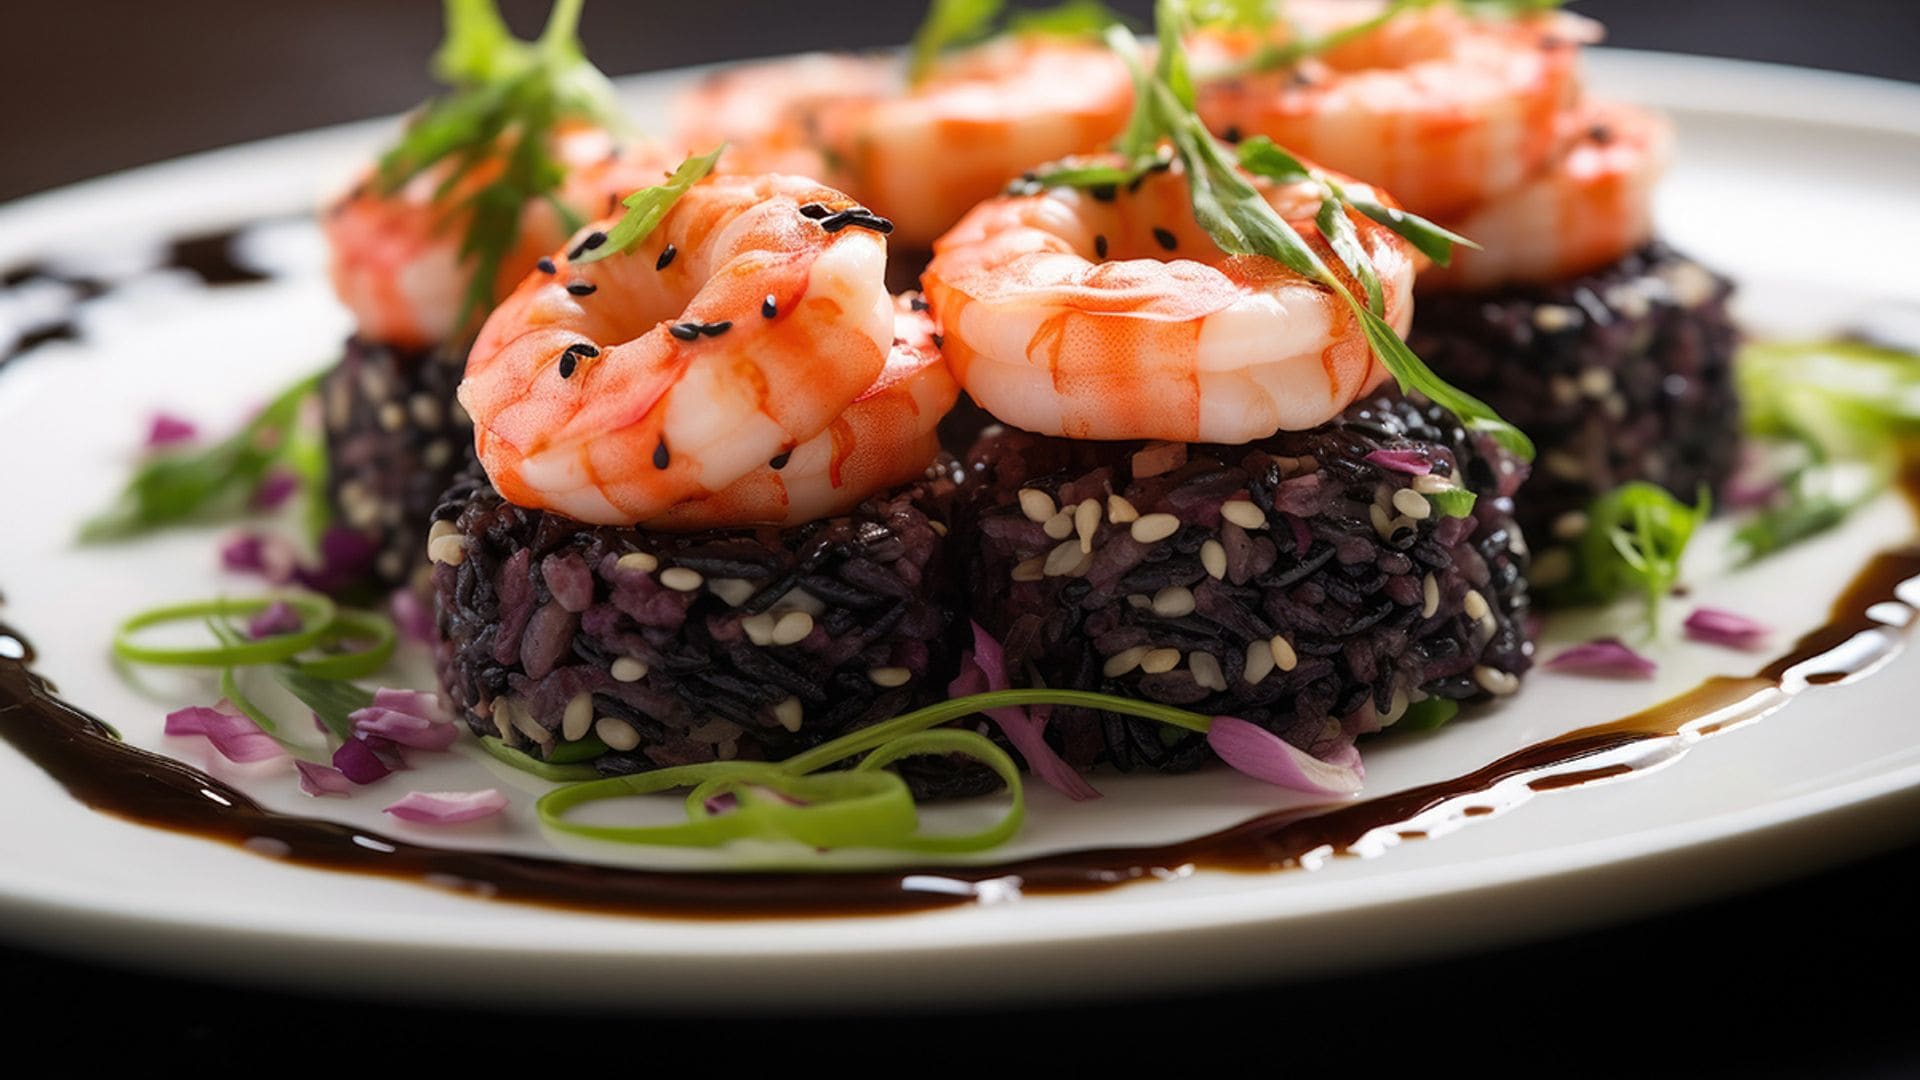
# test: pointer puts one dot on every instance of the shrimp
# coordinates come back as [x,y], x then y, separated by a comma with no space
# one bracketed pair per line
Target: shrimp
[1443,108]
[1067,315]
[1588,208]
[886,437]
[743,326]
[921,155]
[396,261]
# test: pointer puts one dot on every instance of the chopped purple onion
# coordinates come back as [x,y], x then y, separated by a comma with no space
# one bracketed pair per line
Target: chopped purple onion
[1718,626]
[1261,754]
[404,729]
[358,761]
[274,489]
[318,780]
[345,556]
[985,668]
[170,430]
[1603,656]
[234,735]
[448,807]
[1411,462]
[273,620]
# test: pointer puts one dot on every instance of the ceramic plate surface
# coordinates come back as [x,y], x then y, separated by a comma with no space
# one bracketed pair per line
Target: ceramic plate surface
[1834,773]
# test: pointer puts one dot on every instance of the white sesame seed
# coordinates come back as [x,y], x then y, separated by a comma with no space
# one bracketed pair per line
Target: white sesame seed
[1086,519]
[681,579]
[616,733]
[939,527]
[528,726]
[1476,605]
[1396,708]
[889,676]
[1139,600]
[1059,526]
[440,529]
[1570,525]
[1173,602]
[1284,657]
[502,716]
[438,453]
[759,628]
[1412,503]
[1120,511]
[1561,464]
[1244,514]
[789,713]
[638,560]
[1154,528]
[1206,670]
[1553,318]
[1160,661]
[1213,557]
[426,411]
[1554,566]
[1123,661]
[1433,484]
[628,669]
[1495,681]
[1595,382]
[393,416]
[1062,559]
[1429,597]
[578,719]
[391,564]
[792,628]
[1381,523]
[451,550]
[1030,570]
[1037,505]
[733,590]
[1259,662]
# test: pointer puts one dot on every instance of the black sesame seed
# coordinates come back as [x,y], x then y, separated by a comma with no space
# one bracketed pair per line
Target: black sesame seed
[780,460]
[1232,134]
[939,341]
[685,331]
[859,218]
[587,243]
[1165,239]
[919,303]
[567,363]
[546,266]
[666,257]
[570,359]
[715,329]
[1100,246]
[1103,192]
[583,288]
[661,459]
[768,308]
[815,210]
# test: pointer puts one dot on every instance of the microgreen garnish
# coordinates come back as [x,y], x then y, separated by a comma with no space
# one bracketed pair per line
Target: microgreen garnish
[196,485]
[509,98]
[1300,45]
[1635,538]
[1238,218]
[955,24]
[646,207]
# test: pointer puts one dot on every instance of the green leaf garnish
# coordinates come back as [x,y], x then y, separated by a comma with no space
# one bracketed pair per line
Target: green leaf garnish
[218,481]
[956,24]
[646,207]
[1635,538]
[1454,502]
[1240,221]
[508,100]
[1299,45]
[332,701]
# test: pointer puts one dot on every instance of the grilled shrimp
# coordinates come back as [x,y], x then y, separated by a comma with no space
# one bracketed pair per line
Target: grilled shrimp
[922,155]
[742,327]
[1068,315]
[1584,210]
[886,437]
[395,259]
[1441,107]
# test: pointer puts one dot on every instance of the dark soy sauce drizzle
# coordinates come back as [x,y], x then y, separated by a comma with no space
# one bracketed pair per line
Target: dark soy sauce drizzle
[1867,628]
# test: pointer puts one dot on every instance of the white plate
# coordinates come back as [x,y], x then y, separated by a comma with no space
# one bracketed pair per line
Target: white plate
[1797,183]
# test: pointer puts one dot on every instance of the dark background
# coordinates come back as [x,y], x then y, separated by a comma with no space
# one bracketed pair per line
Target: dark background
[1807,978]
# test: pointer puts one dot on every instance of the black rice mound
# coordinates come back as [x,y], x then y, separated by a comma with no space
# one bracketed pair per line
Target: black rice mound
[1293,582]
[396,438]
[638,649]
[1622,374]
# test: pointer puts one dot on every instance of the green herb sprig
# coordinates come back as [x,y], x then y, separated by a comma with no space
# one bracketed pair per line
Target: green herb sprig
[1635,538]
[219,481]
[1299,45]
[646,207]
[1240,221]
[509,99]
[956,24]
